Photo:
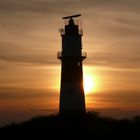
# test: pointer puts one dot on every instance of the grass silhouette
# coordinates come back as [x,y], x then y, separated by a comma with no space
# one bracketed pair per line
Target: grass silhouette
[89,125]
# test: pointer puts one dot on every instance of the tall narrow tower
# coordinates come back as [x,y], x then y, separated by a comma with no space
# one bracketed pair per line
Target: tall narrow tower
[72,98]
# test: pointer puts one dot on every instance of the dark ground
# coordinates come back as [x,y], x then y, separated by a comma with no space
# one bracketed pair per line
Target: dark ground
[86,126]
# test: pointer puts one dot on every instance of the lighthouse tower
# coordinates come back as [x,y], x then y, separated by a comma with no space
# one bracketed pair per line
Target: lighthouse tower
[72,98]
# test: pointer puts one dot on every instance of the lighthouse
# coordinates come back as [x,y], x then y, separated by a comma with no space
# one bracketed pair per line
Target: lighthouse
[72,98]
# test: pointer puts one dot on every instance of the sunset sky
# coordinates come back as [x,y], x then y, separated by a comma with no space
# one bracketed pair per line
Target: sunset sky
[30,40]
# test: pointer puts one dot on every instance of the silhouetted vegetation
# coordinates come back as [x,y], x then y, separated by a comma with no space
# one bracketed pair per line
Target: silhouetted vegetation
[89,125]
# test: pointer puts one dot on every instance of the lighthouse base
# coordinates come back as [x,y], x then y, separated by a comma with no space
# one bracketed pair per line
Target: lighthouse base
[72,100]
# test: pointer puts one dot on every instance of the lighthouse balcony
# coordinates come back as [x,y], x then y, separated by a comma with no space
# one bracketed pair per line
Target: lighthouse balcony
[84,55]
[60,55]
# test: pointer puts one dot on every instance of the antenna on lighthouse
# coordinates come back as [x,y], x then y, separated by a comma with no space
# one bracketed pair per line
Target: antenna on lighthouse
[73,16]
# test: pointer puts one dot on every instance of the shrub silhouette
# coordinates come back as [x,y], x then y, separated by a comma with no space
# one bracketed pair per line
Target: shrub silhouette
[89,125]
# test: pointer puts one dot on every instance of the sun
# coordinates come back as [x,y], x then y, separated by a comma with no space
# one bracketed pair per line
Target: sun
[89,84]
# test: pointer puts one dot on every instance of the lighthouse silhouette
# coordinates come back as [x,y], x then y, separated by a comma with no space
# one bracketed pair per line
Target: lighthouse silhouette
[72,99]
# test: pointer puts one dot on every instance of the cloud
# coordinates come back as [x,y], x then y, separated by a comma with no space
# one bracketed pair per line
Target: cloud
[25,54]
[25,93]
[24,6]
[29,31]
[122,97]
[61,6]
[38,6]
[114,59]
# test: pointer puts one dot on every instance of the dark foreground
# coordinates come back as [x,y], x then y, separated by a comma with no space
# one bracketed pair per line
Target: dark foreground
[86,126]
